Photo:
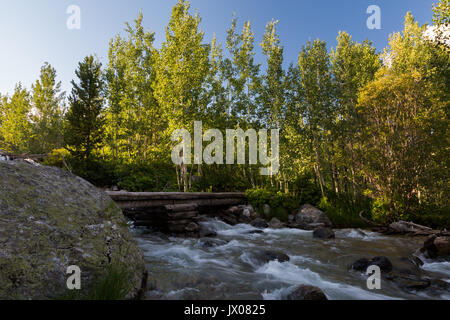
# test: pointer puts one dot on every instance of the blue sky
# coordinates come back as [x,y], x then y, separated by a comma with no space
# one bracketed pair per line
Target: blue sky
[34,31]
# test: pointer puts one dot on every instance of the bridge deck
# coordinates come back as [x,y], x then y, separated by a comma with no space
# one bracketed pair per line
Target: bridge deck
[127,200]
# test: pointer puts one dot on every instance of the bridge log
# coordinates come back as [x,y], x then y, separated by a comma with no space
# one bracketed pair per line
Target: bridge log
[173,212]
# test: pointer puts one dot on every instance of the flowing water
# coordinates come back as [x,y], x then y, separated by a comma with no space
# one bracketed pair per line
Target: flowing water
[187,269]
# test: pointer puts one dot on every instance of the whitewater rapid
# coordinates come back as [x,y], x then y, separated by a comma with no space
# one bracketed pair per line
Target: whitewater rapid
[187,269]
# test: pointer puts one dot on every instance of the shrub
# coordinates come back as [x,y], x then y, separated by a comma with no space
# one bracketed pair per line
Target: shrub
[281,204]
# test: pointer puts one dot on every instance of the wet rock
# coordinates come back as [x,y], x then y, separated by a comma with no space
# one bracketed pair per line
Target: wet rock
[309,217]
[412,262]
[232,215]
[51,219]
[440,284]
[255,232]
[382,262]
[161,235]
[291,218]
[408,282]
[442,245]
[207,233]
[259,223]
[192,227]
[244,219]
[231,220]
[265,256]
[276,224]
[248,211]
[324,233]
[305,292]
[360,265]
[212,243]
[436,246]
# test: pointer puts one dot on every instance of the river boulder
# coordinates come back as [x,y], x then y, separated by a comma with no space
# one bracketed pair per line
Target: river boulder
[259,223]
[51,219]
[408,282]
[382,262]
[206,232]
[436,246]
[276,224]
[211,243]
[265,256]
[324,233]
[309,217]
[305,292]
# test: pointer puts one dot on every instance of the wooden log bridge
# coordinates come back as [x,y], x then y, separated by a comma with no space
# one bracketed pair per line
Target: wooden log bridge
[173,212]
[130,200]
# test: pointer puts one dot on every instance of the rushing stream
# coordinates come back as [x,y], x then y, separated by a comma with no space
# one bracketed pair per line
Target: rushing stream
[193,269]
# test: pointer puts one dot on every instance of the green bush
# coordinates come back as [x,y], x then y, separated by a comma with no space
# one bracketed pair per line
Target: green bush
[281,204]
[57,158]
[342,213]
[431,216]
[145,177]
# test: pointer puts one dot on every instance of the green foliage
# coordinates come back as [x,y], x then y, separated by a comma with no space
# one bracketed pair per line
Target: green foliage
[403,118]
[134,124]
[430,215]
[154,177]
[281,204]
[57,158]
[48,104]
[220,179]
[441,12]
[16,128]
[342,214]
[84,120]
[182,68]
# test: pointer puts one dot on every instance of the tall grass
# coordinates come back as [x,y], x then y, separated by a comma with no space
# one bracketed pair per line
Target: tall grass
[113,285]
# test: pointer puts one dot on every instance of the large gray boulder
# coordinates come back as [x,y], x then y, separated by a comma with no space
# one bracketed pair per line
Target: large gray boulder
[309,217]
[50,220]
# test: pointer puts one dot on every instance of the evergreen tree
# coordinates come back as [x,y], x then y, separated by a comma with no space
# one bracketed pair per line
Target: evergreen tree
[84,120]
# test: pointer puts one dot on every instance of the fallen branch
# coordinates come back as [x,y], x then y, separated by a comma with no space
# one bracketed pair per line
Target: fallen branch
[404,228]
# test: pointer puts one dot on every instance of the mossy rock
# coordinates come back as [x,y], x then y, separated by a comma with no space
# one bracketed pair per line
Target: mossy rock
[51,219]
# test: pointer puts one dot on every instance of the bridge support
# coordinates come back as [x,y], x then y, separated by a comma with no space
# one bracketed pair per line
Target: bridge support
[173,212]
